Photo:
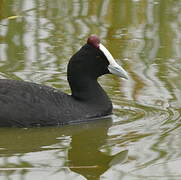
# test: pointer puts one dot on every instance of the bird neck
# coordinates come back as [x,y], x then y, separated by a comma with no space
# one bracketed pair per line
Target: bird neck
[86,89]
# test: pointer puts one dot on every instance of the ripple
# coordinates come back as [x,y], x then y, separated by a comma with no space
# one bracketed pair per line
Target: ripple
[130,117]
[151,130]
[129,111]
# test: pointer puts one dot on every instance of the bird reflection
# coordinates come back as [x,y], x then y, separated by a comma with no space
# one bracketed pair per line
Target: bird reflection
[57,148]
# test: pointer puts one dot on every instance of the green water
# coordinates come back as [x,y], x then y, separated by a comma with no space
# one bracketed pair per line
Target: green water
[142,140]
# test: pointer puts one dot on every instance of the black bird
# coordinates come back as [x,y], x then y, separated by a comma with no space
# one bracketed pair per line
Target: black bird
[26,104]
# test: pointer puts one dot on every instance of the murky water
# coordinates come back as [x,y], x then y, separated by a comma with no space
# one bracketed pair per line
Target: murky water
[142,140]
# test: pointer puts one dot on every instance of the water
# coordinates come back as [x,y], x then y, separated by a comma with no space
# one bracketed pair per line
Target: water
[142,140]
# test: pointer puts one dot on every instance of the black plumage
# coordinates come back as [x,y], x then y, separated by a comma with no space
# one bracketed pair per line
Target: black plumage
[26,104]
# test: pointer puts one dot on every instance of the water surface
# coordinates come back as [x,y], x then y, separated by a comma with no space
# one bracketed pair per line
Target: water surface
[142,140]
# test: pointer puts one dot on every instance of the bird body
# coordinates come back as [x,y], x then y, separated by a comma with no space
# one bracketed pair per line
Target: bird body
[26,104]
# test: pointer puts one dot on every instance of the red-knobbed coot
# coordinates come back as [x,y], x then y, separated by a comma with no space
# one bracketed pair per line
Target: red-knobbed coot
[26,104]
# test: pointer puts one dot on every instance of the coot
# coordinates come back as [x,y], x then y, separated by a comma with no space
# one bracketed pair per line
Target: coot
[26,104]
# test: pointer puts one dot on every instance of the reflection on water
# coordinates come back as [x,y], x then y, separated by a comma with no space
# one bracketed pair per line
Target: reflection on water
[36,40]
[60,151]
